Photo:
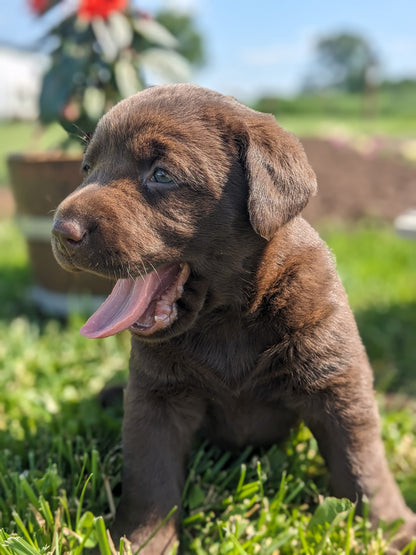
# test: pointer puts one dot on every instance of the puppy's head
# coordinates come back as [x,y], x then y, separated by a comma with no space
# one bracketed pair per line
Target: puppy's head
[182,189]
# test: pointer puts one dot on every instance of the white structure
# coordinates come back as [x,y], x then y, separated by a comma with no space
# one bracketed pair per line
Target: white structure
[406,224]
[20,81]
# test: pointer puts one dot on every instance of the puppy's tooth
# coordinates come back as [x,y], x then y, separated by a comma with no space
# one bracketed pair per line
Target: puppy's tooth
[164,308]
[162,316]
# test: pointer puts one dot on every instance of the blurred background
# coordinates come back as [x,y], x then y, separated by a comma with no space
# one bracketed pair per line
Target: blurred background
[341,76]
[346,75]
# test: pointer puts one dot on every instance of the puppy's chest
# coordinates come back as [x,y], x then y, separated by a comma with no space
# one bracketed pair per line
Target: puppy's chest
[223,356]
[226,356]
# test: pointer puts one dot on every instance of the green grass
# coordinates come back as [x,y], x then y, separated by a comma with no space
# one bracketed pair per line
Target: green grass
[392,113]
[321,125]
[60,457]
[378,270]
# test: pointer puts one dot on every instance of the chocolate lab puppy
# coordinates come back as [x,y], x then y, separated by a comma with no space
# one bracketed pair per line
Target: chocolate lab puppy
[240,326]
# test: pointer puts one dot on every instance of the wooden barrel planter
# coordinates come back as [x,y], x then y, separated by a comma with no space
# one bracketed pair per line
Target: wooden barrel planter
[39,183]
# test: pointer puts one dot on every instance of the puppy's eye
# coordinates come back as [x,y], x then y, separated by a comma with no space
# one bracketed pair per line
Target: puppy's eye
[160,176]
[160,180]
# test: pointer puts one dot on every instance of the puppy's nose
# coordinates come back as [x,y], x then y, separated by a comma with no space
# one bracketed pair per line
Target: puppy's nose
[69,233]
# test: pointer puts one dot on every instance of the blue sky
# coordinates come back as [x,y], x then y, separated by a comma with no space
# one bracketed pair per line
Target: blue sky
[264,46]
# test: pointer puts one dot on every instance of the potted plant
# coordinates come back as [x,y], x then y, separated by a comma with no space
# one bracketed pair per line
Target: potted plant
[99,52]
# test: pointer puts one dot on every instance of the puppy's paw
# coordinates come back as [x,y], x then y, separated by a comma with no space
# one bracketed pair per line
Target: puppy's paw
[405,535]
[147,542]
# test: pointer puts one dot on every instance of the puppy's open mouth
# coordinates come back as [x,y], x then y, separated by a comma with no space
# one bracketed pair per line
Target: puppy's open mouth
[144,305]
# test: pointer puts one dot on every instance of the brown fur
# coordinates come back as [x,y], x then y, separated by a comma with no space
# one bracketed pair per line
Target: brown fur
[264,334]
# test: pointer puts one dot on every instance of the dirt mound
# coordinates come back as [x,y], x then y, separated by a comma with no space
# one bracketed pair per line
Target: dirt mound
[351,186]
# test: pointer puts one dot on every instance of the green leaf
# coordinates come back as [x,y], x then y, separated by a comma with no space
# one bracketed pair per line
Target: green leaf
[127,78]
[57,87]
[45,509]
[94,103]
[167,63]
[155,33]
[86,521]
[22,526]
[330,511]
[85,527]
[120,30]
[101,534]
[326,518]
[196,497]
[19,546]
[108,45]
[235,542]
[28,490]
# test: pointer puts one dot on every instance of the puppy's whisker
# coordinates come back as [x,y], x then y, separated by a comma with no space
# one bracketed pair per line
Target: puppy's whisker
[155,270]
[128,271]
[144,267]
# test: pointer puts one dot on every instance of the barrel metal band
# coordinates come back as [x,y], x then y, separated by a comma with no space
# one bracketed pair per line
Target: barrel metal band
[54,303]
[37,228]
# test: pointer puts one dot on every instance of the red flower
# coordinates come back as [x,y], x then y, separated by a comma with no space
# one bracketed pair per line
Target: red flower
[39,6]
[89,9]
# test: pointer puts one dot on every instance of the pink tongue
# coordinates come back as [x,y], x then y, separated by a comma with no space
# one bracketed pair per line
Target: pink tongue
[128,300]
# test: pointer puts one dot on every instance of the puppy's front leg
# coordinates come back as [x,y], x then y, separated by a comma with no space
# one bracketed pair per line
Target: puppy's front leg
[344,419]
[157,431]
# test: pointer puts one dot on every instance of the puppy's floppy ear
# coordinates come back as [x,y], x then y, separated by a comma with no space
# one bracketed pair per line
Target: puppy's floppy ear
[279,176]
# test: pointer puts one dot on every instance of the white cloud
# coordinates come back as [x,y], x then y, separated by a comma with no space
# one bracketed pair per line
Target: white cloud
[184,5]
[297,52]
[192,6]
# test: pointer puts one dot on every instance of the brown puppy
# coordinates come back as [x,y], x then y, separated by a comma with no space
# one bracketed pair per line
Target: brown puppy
[239,323]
